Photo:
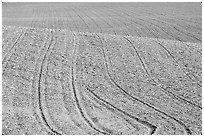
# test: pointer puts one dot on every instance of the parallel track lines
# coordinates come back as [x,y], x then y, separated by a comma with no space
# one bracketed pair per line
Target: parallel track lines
[98,16]
[7,57]
[75,94]
[91,20]
[171,25]
[145,123]
[77,29]
[112,19]
[143,64]
[39,89]
[136,99]
[133,21]
[178,64]
[101,31]
[13,45]
[170,16]
[159,27]
[81,18]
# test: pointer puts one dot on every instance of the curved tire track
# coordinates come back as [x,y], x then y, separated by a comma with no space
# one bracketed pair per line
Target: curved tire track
[178,64]
[75,94]
[39,90]
[171,93]
[136,99]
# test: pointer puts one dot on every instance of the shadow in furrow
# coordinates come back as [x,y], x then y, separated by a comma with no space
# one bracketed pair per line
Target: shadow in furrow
[143,64]
[136,99]
[39,90]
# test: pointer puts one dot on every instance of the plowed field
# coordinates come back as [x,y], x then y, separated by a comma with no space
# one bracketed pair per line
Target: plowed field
[102,68]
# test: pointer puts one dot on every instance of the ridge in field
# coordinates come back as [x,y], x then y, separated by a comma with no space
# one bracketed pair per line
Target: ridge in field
[199,44]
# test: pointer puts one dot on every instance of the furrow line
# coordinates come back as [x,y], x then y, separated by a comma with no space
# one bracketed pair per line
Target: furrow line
[76,97]
[171,25]
[159,27]
[39,89]
[178,64]
[13,48]
[145,123]
[138,24]
[91,20]
[124,23]
[136,99]
[82,20]
[77,29]
[143,64]
[67,25]
[13,45]
[200,52]
[105,22]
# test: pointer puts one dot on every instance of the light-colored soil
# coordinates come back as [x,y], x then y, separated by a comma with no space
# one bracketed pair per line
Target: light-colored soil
[79,69]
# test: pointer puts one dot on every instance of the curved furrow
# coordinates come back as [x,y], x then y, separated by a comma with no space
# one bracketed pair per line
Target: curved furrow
[130,19]
[178,64]
[161,15]
[145,123]
[79,107]
[159,27]
[34,108]
[137,99]
[77,29]
[46,82]
[94,22]
[149,12]
[120,26]
[13,48]
[40,92]
[98,26]
[76,96]
[171,25]
[81,18]
[200,52]
[105,22]
[67,24]
[171,93]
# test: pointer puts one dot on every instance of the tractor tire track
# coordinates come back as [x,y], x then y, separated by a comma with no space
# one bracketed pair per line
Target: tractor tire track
[75,93]
[107,104]
[39,89]
[22,33]
[12,50]
[137,99]
[171,93]
[158,43]
[200,52]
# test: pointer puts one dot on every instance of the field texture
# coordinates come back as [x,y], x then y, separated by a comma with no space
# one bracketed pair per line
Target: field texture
[102,68]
